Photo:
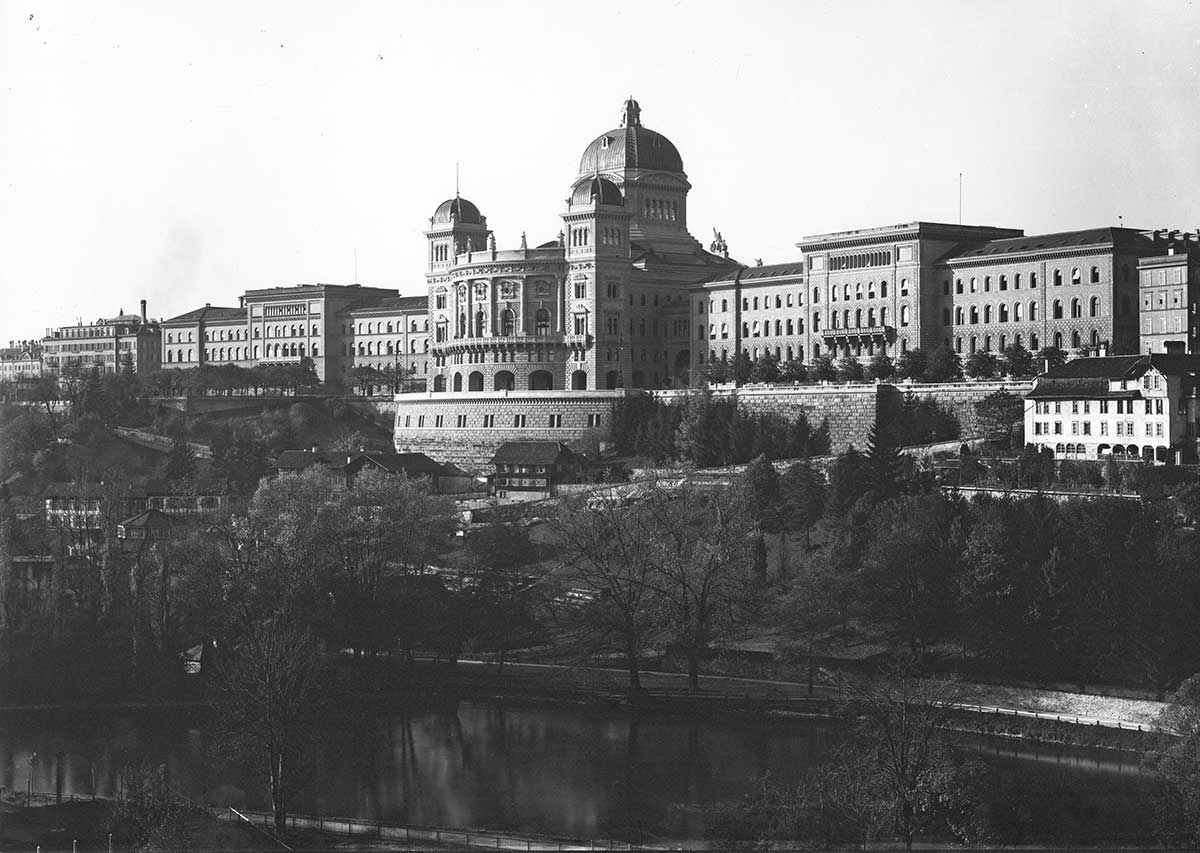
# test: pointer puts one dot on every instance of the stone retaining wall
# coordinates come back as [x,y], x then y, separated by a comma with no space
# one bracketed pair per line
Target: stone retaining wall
[849,409]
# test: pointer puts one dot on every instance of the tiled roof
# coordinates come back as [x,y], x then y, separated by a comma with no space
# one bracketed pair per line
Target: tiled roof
[530,452]
[1123,237]
[209,314]
[1078,389]
[1103,367]
[410,464]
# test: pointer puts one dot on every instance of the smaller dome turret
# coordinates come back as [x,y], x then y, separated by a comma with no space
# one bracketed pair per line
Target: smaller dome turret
[457,210]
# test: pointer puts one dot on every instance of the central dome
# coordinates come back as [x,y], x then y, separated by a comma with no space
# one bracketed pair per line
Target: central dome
[630,146]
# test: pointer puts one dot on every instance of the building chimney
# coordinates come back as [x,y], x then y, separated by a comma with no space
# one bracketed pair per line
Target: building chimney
[143,310]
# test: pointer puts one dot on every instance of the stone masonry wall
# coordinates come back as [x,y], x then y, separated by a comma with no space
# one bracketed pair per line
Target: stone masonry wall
[586,416]
[430,423]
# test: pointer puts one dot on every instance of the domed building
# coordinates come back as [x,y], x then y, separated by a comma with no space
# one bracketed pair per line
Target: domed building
[604,306]
[539,342]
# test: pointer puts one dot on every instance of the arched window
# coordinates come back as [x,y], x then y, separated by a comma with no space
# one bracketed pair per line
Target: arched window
[1076,276]
[412,346]
[1094,306]
[541,380]
[1095,275]
[846,318]
[883,288]
[1076,309]
[987,313]
[1000,344]
[1003,312]
[462,326]
[974,315]
[816,324]
[958,316]
[871,317]
[903,315]
[480,319]
[457,381]
[958,285]
[1033,312]
[1058,340]
[541,321]
[1058,278]
[1075,339]
[846,292]
[439,383]
[858,291]
[858,319]
[1016,312]
[1095,338]
[579,380]
[1033,343]
[883,315]
[508,322]
[475,381]
[1058,310]
[505,381]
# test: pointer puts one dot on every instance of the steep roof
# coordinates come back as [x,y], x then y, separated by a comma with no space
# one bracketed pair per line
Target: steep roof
[1090,377]
[531,452]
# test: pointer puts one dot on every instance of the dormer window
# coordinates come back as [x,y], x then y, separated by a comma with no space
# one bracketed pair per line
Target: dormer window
[604,142]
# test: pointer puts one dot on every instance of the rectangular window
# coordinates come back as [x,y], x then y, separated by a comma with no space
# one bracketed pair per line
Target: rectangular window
[1104,427]
[1104,407]
[593,420]
[1058,427]
[420,421]
[1150,429]
[1057,407]
[1074,407]
[1087,407]
[1074,427]
[1158,430]
[438,421]
[1149,407]
[462,421]
[555,421]
[1158,407]
[1120,428]
[519,421]
[489,421]
[1087,427]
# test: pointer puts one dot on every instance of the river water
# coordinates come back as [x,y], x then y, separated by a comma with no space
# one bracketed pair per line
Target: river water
[571,772]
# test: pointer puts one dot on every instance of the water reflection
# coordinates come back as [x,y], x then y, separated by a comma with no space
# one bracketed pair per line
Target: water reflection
[598,774]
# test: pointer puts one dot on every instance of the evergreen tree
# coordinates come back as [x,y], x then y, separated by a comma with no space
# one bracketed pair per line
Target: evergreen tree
[943,365]
[823,369]
[880,367]
[883,463]
[1018,361]
[850,369]
[912,364]
[181,462]
[766,368]
[847,481]
[741,368]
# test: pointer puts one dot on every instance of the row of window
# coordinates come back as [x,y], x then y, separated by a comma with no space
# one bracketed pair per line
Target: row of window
[1122,407]
[1123,428]
[972,314]
[553,421]
[973,283]
[369,347]
[226,354]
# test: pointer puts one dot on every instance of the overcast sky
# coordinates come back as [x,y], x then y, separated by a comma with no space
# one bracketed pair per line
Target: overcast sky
[184,152]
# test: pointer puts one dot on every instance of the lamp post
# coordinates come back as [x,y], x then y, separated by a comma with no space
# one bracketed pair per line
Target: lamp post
[33,762]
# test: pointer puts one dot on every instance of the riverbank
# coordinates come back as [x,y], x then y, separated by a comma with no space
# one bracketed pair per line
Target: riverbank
[1043,716]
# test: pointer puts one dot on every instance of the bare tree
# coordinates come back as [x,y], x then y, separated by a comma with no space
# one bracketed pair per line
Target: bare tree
[702,542]
[609,555]
[269,702]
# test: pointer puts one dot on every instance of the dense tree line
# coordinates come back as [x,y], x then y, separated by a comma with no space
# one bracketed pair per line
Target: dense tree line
[706,430]
[940,364]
